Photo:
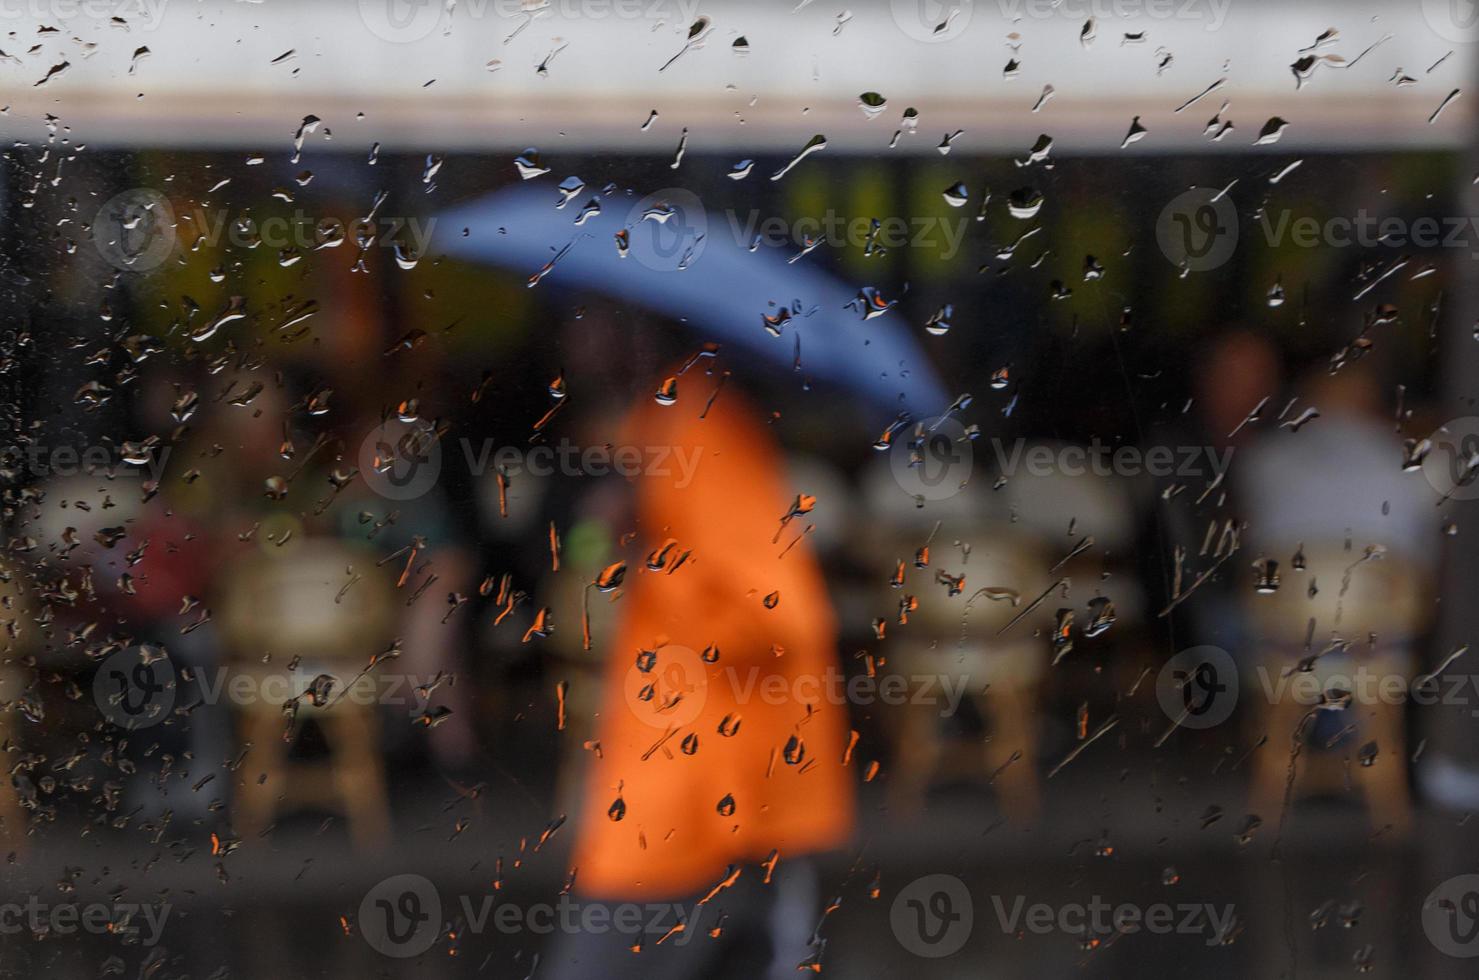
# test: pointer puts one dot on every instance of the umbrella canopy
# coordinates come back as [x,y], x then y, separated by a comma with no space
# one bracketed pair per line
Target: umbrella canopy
[667,253]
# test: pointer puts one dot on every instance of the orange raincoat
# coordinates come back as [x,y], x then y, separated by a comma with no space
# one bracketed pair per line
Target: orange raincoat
[708,683]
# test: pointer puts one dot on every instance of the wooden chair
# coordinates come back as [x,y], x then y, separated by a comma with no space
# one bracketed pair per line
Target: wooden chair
[12,815]
[582,671]
[1018,531]
[1000,677]
[300,603]
[16,639]
[1383,598]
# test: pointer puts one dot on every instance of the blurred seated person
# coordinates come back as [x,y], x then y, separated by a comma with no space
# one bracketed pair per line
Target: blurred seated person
[1343,547]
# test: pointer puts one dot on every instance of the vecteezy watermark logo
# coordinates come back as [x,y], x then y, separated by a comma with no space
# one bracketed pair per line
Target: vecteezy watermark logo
[135,687]
[835,687]
[1214,12]
[1451,916]
[1098,919]
[1364,686]
[140,691]
[406,21]
[1367,230]
[299,232]
[401,916]
[402,21]
[1198,687]
[667,687]
[932,20]
[135,230]
[940,234]
[39,461]
[932,916]
[1099,459]
[932,459]
[44,920]
[1451,465]
[401,460]
[1453,20]
[138,15]
[1198,230]
[567,458]
[667,230]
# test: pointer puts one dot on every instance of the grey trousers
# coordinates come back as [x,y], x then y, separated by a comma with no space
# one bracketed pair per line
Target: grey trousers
[765,931]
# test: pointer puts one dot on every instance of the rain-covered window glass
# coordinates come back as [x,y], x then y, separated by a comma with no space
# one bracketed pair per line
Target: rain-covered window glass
[722,488]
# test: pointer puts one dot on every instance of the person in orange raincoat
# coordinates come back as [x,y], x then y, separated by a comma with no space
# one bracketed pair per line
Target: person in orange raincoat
[720,745]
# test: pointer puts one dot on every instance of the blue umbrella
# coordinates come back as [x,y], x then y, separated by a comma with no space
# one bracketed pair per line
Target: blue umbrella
[688,265]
